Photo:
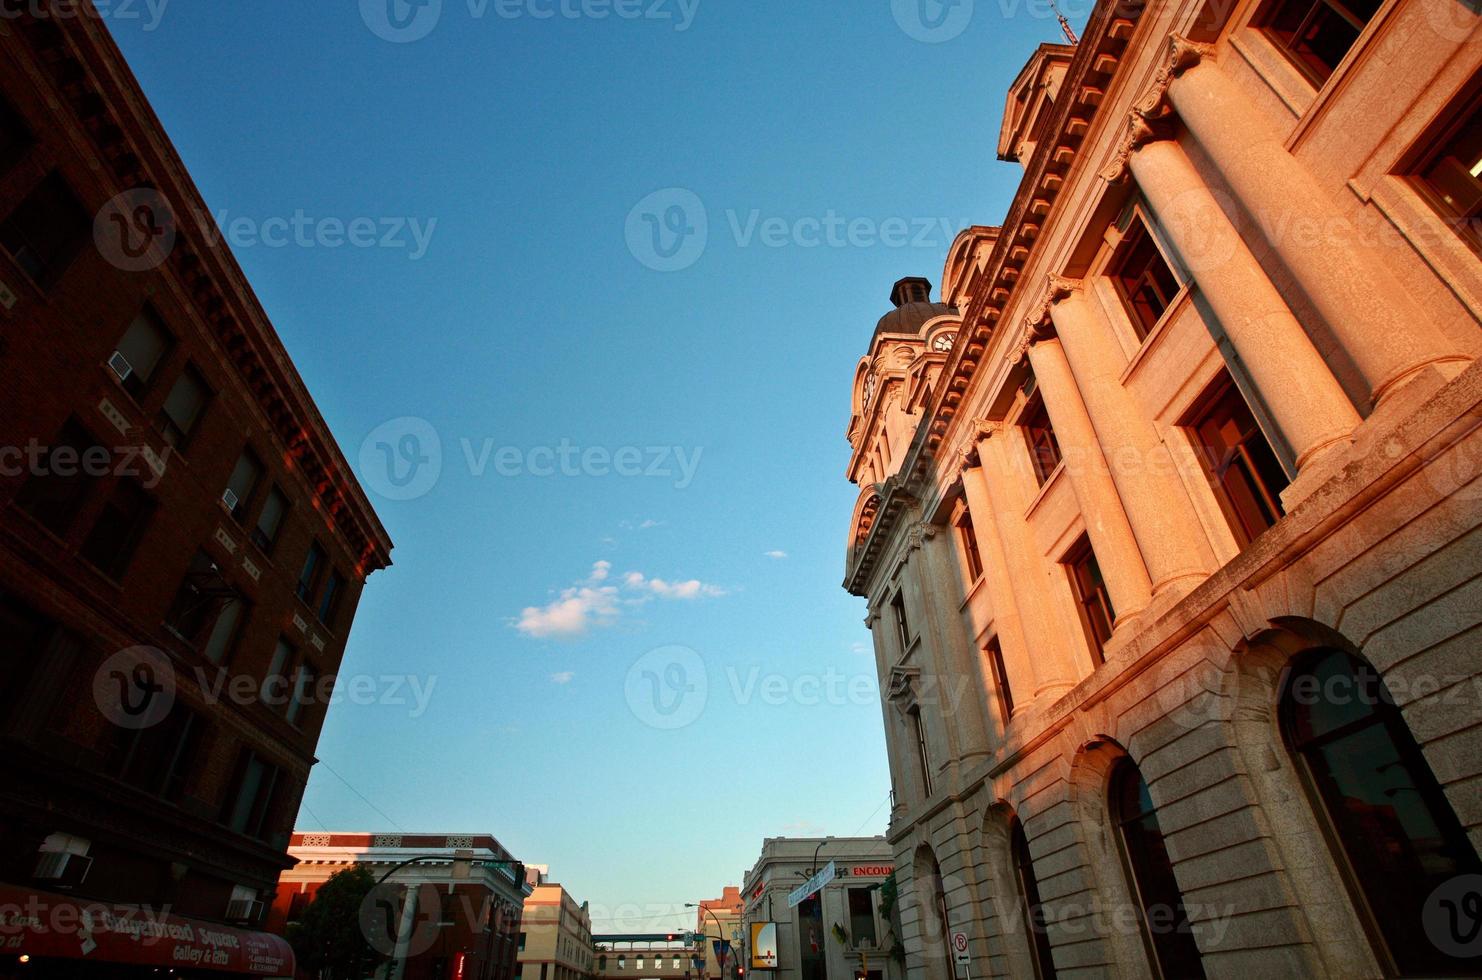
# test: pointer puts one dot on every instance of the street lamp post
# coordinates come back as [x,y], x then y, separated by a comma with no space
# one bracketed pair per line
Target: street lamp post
[725,948]
[462,864]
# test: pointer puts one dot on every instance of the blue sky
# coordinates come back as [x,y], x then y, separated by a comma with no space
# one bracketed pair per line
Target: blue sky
[806,154]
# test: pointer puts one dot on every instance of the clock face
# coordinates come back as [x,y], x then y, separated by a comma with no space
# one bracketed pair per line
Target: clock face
[944,342]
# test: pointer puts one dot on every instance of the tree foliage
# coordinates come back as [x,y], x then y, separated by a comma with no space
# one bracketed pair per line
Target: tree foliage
[330,940]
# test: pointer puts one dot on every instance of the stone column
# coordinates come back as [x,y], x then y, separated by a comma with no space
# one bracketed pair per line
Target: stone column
[1090,478]
[1301,393]
[1008,624]
[1380,326]
[1168,530]
[1056,666]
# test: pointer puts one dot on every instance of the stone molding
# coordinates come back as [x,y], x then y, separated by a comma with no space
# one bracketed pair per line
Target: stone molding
[1151,117]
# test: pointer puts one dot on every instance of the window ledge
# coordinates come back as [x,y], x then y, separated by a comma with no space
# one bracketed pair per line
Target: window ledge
[1160,330]
[1044,490]
[1439,246]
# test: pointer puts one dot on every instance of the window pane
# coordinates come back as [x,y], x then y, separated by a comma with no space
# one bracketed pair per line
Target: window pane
[224,632]
[243,481]
[44,230]
[119,526]
[183,407]
[64,477]
[270,520]
[1453,173]
[1244,471]
[1033,908]
[329,604]
[141,349]
[308,579]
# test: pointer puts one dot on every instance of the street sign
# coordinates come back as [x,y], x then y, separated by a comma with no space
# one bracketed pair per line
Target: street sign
[800,894]
[960,954]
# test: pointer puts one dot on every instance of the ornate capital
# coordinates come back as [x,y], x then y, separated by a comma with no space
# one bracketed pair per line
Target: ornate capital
[1151,117]
[902,687]
[987,428]
[1038,322]
[919,535]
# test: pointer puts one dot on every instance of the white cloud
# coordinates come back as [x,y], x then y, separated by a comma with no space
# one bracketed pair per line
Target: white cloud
[573,614]
[600,571]
[562,677]
[779,555]
[860,648]
[692,589]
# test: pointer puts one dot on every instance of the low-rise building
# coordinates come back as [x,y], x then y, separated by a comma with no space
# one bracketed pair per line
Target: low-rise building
[650,956]
[842,931]
[455,901]
[719,922]
[556,941]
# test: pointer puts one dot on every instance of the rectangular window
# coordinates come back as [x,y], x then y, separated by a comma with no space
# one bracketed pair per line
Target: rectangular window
[270,521]
[183,407]
[1097,614]
[303,693]
[902,625]
[1243,470]
[1142,278]
[200,600]
[1316,34]
[250,801]
[15,136]
[1449,174]
[158,759]
[862,917]
[44,231]
[329,603]
[140,351]
[923,751]
[120,525]
[993,654]
[225,631]
[967,543]
[64,478]
[243,481]
[275,690]
[308,579]
[1044,450]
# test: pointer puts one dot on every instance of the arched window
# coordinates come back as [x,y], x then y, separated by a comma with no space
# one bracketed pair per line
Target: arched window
[1394,833]
[1164,919]
[1033,909]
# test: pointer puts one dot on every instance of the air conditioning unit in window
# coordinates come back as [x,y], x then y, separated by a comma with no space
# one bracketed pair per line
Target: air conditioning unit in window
[62,870]
[229,500]
[120,366]
[244,910]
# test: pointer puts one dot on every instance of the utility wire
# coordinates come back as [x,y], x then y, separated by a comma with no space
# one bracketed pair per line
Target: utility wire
[362,796]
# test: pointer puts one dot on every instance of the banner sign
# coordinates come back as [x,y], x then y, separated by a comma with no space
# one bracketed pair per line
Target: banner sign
[764,945]
[44,924]
[800,894]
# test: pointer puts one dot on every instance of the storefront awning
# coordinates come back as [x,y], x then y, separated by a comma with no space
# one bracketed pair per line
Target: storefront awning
[44,924]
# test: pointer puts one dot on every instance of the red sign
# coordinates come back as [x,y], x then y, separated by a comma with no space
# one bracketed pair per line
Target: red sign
[873,871]
[43,924]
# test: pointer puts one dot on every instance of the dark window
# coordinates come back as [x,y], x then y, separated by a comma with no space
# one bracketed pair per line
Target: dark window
[201,600]
[1097,614]
[1450,173]
[1396,835]
[923,750]
[139,352]
[902,625]
[276,691]
[160,758]
[1316,34]
[329,603]
[250,802]
[270,521]
[28,636]
[1243,470]
[225,630]
[243,481]
[1143,279]
[15,136]
[967,540]
[63,478]
[1033,909]
[297,905]
[993,653]
[1160,904]
[43,232]
[862,917]
[304,687]
[183,407]
[308,579]
[120,525]
[1044,450]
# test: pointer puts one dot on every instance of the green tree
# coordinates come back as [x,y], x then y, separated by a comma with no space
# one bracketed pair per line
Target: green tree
[330,940]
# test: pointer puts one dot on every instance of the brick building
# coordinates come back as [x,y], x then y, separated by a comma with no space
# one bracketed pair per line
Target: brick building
[182,545]
[455,911]
[1168,519]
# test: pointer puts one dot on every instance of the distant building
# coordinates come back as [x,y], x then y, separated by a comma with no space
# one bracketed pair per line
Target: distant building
[1168,516]
[719,919]
[556,940]
[840,932]
[182,543]
[647,956]
[453,917]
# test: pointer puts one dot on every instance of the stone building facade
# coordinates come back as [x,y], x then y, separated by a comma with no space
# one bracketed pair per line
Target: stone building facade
[556,939]
[1169,511]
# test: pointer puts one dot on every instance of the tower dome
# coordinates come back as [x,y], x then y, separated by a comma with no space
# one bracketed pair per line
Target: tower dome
[913,308]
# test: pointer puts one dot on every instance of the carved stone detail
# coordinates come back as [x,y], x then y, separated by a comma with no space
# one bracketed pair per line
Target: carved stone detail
[1151,117]
[1038,322]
